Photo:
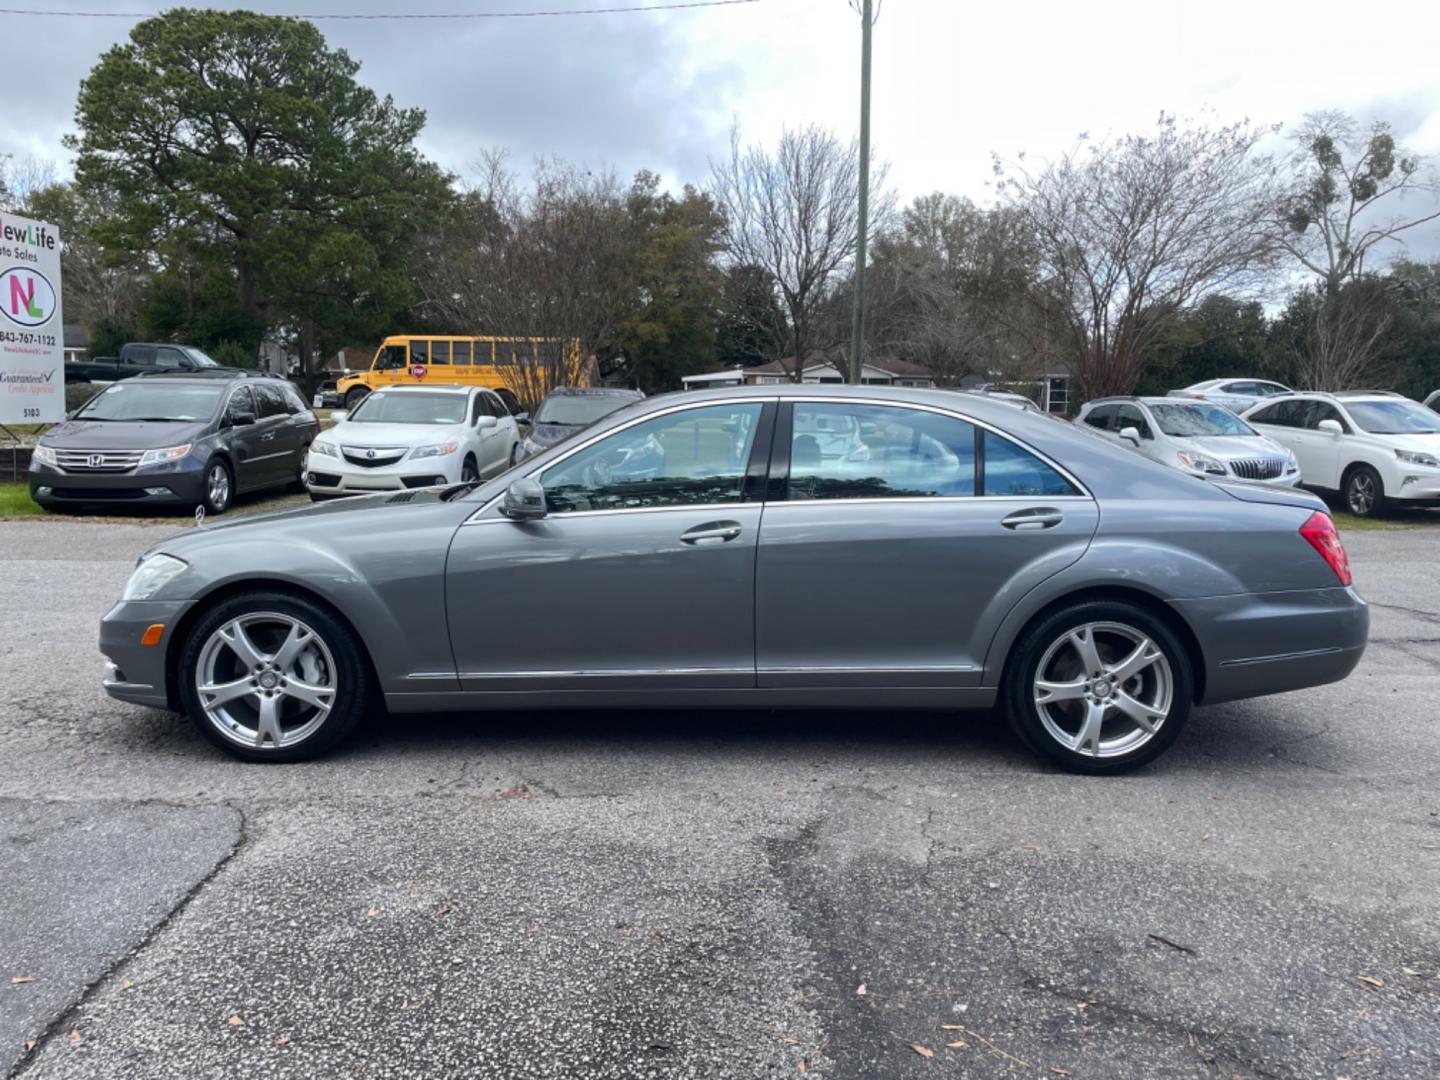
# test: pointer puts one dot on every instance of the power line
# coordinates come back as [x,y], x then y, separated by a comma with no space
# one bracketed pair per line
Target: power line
[356,16]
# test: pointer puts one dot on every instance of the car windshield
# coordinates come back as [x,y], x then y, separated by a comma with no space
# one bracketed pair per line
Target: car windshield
[1393,417]
[410,408]
[1185,421]
[136,400]
[201,359]
[578,409]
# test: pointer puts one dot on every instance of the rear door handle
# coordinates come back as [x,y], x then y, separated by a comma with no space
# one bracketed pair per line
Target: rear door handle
[712,532]
[1040,517]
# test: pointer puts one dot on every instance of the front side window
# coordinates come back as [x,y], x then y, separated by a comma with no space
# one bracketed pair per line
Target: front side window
[686,458]
[241,404]
[1323,410]
[845,451]
[1131,416]
[200,359]
[272,401]
[167,357]
[391,357]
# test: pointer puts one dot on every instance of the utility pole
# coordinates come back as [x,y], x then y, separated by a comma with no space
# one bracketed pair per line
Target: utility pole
[857,332]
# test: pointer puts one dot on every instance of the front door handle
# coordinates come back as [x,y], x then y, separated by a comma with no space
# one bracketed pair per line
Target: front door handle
[1040,517]
[267,436]
[712,532]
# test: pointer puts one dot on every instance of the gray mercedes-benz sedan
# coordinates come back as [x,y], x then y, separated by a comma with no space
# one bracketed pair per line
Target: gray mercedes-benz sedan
[822,547]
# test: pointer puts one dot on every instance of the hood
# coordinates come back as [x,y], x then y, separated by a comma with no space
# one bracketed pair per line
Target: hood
[1229,447]
[1418,441]
[122,434]
[550,434]
[348,434]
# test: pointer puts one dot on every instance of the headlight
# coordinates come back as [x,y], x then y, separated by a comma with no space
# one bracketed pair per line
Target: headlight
[325,448]
[1291,462]
[1200,463]
[151,576]
[438,450]
[43,454]
[170,453]
[1414,457]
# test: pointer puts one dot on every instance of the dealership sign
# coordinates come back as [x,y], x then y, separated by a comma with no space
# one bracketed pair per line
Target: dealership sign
[32,329]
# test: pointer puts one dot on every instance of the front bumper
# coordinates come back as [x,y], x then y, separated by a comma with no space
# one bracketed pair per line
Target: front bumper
[1414,485]
[137,673]
[181,483]
[1268,643]
[335,476]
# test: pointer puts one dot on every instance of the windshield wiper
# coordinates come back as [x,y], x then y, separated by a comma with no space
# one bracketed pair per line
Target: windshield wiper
[454,491]
[159,419]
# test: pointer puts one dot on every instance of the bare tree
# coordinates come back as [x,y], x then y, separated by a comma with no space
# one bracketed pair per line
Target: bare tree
[1343,333]
[549,260]
[795,214]
[1131,232]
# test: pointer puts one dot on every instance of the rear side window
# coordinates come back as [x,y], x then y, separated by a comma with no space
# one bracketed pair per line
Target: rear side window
[271,400]
[293,403]
[845,451]
[1013,470]
[1281,414]
[1100,417]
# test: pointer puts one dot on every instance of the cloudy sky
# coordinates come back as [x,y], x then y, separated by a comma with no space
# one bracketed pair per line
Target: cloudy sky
[952,81]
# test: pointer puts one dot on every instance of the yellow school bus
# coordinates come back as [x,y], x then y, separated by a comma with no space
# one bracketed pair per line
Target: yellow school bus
[522,370]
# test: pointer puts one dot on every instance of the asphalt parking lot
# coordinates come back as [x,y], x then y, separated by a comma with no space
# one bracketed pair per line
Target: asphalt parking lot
[717,894]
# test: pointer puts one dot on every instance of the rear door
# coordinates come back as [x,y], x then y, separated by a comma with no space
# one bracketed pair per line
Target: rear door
[891,562]
[279,437]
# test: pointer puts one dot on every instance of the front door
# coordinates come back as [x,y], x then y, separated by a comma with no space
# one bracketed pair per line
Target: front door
[246,448]
[899,539]
[641,576]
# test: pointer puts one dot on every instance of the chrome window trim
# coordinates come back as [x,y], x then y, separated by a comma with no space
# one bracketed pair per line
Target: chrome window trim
[1085,493]
[646,418]
[881,500]
[727,507]
[601,673]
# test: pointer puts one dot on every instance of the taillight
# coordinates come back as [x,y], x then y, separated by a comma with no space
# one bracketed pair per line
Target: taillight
[1320,531]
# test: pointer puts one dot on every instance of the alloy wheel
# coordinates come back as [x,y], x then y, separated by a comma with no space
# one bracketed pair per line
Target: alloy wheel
[266,680]
[217,486]
[1103,689]
[1361,494]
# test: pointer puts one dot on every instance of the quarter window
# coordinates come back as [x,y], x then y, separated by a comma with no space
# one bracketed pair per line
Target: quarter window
[1013,470]
[844,451]
[272,401]
[684,458]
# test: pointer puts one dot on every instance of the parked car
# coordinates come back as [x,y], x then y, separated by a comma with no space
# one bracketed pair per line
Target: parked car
[980,556]
[1371,446]
[566,410]
[1020,401]
[412,437]
[141,358]
[175,439]
[1236,395]
[1194,436]
[326,396]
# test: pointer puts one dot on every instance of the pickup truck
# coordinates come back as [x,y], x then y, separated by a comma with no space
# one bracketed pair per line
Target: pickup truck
[136,357]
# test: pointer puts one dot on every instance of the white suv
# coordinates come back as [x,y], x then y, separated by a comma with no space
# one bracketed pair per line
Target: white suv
[412,436]
[1371,446]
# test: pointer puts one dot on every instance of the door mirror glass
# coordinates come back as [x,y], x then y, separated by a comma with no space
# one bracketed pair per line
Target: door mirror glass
[524,500]
[484,423]
[1331,427]
[1131,435]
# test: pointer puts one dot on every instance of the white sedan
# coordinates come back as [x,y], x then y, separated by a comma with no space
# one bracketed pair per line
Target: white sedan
[412,437]
[1237,395]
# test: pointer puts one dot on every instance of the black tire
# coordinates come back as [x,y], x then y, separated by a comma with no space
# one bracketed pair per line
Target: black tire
[1018,694]
[469,471]
[354,396]
[1363,491]
[515,455]
[353,680]
[298,484]
[215,496]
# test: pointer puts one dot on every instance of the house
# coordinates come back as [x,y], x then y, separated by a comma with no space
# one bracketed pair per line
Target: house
[77,342]
[818,369]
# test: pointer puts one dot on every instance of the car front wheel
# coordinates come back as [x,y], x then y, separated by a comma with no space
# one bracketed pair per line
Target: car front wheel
[1098,687]
[219,487]
[1364,492]
[272,677]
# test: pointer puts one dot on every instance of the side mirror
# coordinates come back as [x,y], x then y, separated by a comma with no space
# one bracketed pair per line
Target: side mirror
[1330,427]
[522,418]
[1131,435]
[338,415]
[485,423]
[524,500]
[244,419]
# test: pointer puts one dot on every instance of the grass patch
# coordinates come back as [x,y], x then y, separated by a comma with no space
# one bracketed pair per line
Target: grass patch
[15,501]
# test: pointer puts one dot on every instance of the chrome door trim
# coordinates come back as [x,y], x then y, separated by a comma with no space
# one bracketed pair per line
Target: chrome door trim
[646,418]
[850,669]
[603,673]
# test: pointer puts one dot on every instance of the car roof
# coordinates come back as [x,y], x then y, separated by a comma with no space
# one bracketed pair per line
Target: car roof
[595,391]
[210,375]
[444,388]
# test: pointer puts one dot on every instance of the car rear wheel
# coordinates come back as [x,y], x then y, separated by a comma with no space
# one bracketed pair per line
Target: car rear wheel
[273,677]
[1098,687]
[219,487]
[1364,491]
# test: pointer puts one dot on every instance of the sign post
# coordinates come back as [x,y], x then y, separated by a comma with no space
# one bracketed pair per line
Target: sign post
[32,328]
